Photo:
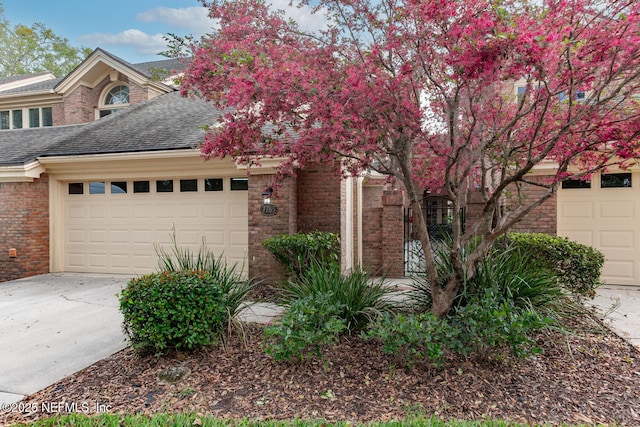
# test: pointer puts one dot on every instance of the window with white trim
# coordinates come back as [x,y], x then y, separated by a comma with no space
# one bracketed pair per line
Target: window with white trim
[114,99]
[19,118]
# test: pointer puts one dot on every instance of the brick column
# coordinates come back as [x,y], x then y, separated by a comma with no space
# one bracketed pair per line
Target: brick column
[393,233]
[261,263]
[24,226]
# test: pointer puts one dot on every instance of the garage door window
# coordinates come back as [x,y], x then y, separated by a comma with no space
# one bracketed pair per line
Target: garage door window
[213,184]
[96,188]
[616,180]
[239,183]
[164,186]
[188,185]
[141,186]
[76,188]
[575,183]
[119,187]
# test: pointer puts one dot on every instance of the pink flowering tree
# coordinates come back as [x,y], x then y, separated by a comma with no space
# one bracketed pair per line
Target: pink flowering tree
[452,96]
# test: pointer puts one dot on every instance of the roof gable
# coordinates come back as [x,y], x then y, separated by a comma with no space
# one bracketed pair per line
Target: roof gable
[100,64]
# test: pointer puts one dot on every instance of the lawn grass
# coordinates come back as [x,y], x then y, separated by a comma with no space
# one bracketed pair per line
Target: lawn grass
[186,419]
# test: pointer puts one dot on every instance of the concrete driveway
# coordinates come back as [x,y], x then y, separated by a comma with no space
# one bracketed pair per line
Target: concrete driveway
[620,306]
[53,325]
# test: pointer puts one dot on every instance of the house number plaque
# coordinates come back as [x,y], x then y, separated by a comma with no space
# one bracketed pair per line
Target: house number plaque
[269,210]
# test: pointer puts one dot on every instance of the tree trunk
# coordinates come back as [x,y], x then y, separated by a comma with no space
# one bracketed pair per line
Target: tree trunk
[442,298]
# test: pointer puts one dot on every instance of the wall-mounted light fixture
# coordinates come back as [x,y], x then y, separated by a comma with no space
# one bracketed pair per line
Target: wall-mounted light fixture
[266,196]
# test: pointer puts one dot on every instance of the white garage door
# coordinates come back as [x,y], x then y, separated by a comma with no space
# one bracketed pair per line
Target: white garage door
[605,213]
[110,226]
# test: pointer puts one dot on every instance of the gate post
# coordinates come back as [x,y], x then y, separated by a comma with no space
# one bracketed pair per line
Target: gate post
[393,233]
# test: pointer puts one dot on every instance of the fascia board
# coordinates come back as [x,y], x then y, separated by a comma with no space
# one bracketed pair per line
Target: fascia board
[74,79]
[186,162]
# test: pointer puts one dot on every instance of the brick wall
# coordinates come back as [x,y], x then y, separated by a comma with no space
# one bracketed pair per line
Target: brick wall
[542,219]
[372,226]
[81,104]
[24,226]
[261,227]
[318,199]
[392,233]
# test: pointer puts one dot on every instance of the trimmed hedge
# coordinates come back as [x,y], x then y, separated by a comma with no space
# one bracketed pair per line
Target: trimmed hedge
[578,266]
[178,310]
[296,252]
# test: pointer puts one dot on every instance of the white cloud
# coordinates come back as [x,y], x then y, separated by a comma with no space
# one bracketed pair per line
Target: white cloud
[143,43]
[190,20]
[302,15]
[194,19]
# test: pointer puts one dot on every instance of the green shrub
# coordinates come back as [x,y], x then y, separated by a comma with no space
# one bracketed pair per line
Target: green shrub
[173,311]
[360,299]
[309,324]
[298,251]
[230,279]
[578,266]
[519,278]
[490,324]
[412,336]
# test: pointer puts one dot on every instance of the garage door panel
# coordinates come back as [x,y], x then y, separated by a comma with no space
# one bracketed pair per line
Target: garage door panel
[617,239]
[216,238]
[76,236]
[578,209]
[214,211]
[618,270]
[617,209]
[116,232]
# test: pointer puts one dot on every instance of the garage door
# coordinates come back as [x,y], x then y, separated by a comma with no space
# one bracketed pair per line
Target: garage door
[605,213]
[110,226]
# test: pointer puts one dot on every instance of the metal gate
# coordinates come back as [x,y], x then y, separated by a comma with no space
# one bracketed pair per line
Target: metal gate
[438,214]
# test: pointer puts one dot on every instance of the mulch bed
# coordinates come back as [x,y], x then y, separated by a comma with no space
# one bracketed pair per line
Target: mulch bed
[592,377]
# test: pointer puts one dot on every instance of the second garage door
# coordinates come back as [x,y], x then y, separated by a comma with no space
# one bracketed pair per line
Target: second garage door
[605,213]
[110,226]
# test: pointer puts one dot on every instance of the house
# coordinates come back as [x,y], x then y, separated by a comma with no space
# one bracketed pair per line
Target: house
[99,166]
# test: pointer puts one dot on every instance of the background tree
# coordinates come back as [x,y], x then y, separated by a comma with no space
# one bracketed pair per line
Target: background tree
[425,91]
[35,49]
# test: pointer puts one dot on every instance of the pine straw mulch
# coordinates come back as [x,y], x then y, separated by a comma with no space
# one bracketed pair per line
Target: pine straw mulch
[590,378]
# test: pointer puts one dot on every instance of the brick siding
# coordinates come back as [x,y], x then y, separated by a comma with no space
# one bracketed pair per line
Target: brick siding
[261,263]
[81,104]
[24,226]
[542,219]
[372,226]
[318,199]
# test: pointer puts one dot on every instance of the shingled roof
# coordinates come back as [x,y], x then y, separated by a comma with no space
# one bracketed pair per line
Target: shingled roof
[167,122]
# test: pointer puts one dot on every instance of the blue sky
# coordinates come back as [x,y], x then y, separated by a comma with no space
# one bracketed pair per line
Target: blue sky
[130,29]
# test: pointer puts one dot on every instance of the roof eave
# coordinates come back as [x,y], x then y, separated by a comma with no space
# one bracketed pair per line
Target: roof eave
[26,172]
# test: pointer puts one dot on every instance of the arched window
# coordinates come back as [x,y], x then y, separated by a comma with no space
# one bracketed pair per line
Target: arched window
[116,98]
